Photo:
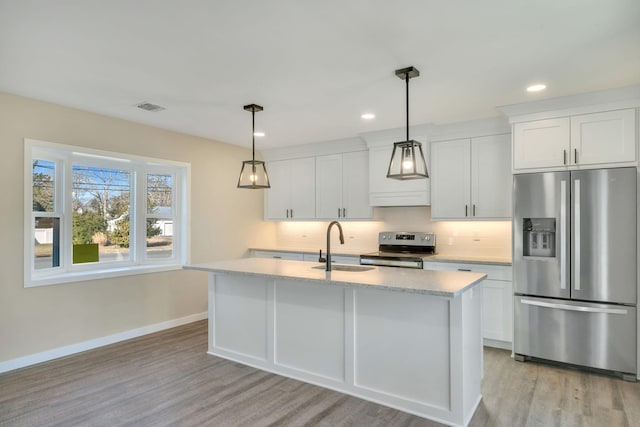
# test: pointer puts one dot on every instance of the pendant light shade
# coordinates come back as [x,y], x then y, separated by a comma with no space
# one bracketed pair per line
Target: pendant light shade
[407,158]
[254,172]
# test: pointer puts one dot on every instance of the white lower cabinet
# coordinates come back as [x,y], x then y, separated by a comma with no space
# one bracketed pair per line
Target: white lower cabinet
[497,299]
[292,256]
[335,259]
[305,256]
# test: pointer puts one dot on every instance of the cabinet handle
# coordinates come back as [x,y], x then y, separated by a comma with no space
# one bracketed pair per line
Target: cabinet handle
[466,210]
[277,257]
[344,212]
[338,212]
[474,210]
[575,156]
[291,212]
[564,157]
[464,269]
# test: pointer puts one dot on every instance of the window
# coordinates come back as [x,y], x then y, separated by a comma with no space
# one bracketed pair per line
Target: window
[94,214]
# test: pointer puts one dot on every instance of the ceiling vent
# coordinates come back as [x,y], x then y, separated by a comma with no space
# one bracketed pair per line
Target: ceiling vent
[150,107]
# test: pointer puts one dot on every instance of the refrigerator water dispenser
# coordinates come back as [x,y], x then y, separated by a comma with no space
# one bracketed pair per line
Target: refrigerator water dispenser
[539,237]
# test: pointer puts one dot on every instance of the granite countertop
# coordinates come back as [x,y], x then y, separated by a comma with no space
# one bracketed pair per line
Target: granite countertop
[335,250]
[440,283]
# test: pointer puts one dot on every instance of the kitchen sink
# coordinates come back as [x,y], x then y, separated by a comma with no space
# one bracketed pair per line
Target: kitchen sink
[340,267]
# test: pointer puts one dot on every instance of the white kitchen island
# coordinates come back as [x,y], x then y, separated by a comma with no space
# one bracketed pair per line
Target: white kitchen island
[408,339]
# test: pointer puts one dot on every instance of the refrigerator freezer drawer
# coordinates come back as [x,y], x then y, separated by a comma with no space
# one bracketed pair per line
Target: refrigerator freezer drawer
[599,336]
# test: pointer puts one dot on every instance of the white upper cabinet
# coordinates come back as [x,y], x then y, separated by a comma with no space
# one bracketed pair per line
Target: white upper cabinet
[329,186]
[451,179]
[471,178]
[384,191]
[603,137]
[292,192]
[491,180]
[342,186]
[355,185]
[541,144]
[596,139]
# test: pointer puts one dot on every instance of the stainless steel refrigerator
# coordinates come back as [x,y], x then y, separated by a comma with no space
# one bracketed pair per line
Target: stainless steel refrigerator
[575,268]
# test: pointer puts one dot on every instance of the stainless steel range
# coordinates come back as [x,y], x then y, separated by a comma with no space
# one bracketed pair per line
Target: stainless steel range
[401,249]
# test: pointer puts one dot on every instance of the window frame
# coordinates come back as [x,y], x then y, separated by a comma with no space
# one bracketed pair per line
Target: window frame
[65,158]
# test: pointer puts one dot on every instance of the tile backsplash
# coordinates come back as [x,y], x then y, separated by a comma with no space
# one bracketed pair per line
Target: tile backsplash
[460,238]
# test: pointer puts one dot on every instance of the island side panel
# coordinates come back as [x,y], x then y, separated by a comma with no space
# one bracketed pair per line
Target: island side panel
[402,347]
[310,329]
[238,317]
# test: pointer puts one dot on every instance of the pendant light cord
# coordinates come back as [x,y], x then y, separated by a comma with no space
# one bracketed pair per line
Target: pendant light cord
[253,135]
[406,78]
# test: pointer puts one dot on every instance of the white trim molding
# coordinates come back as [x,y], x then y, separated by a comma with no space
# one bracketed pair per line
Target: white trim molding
[68,350]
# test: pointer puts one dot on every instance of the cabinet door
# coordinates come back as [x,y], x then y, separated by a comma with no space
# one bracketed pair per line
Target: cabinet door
[451,179]
[497,299]
[277,199]
[603,137]
[355,185]
[541,144]
[497,310]
[392,192]
[491,181]
[329,186]
[303,184]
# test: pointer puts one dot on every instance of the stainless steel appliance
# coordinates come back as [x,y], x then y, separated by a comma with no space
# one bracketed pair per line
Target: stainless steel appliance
[575,268]
[401,249]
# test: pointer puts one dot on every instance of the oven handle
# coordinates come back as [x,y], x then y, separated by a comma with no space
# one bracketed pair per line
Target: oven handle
[391,263]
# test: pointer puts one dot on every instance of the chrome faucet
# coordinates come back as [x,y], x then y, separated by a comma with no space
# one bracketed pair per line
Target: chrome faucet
[331,224]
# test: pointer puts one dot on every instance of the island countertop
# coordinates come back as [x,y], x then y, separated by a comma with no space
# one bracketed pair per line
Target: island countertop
[440,283]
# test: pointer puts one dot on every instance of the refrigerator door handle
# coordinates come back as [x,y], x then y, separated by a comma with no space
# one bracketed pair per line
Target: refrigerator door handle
[563,234]
[574,307]
[576,223]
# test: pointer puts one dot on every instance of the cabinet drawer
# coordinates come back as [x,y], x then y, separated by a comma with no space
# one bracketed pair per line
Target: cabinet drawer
[293,256]
[493,272]
[335,259]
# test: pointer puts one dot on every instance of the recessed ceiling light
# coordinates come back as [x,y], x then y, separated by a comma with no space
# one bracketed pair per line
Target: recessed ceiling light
[368,116]
[258,134]
[536,88]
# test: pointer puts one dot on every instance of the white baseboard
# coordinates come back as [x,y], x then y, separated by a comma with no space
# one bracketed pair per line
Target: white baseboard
[55,353]
[505,345]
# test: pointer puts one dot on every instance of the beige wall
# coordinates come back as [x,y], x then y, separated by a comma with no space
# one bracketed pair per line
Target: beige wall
[224,222]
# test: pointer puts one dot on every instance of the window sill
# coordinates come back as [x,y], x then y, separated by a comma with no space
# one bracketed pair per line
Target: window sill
[82,276]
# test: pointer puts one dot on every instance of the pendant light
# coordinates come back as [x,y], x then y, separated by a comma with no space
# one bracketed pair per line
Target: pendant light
[407,158]
[254,172]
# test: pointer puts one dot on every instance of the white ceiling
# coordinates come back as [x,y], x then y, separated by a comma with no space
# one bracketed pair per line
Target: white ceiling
[315,66]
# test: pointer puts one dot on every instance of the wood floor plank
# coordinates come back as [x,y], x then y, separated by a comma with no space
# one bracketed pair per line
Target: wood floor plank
[167,379]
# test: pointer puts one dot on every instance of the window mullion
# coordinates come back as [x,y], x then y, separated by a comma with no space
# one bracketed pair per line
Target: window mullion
[64,200]
[140,219]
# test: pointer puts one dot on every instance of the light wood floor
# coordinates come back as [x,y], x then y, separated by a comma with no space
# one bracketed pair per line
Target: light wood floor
[166,379]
